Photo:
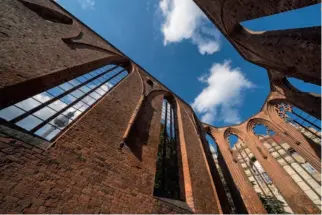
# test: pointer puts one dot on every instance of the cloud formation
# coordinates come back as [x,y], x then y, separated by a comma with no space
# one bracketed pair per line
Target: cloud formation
[86,4]
[184,20]
[220,99]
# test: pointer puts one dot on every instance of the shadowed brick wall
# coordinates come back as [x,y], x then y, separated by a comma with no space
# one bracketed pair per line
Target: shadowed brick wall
[204,199]
[88,169]
[282,50]
[105,162]
[34,56]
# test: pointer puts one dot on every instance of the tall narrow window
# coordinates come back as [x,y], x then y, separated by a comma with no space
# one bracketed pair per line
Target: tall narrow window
[216,155]
[167,173]
[48,113]
[307,178]
[302,121]
[268,193]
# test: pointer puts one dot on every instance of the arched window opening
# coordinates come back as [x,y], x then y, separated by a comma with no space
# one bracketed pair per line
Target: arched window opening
[215,153]
[47,13]
[302,121]
[232,139]
[302,86]
[268,193]
[308,179]
[49,113]
[167,171]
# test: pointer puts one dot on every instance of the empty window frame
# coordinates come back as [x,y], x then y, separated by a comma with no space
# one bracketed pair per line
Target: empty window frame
[167,171]
[48,113]
[302,121]
[264,187]
[292,162]
[216,156]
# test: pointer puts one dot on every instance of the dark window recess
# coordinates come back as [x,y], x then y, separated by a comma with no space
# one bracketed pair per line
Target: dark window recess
[167,171]
[216,154]
[48,113]
[47,13]
[150,83]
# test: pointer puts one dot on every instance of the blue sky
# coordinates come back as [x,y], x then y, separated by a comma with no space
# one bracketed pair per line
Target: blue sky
[177,44]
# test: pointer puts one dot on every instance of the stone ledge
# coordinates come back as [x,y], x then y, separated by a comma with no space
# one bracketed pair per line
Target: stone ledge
[15,132]
[177,203]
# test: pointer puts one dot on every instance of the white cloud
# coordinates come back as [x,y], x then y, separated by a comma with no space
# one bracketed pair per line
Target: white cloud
[184,20]
[220,99]
[86,4]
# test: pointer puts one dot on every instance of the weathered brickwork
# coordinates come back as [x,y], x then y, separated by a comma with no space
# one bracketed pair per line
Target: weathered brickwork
[105,162]
[29,38]
[305,147]
[281,50]
[168,207]
[200,174]
[213,170]
[244,189]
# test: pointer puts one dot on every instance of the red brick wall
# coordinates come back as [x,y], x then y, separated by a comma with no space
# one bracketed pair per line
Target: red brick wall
[237,199]
[143,141]
[32,48]
[213,169]
[251,201]
[288,188]
[281,50]
[85,171]
[167,207]
[204,194]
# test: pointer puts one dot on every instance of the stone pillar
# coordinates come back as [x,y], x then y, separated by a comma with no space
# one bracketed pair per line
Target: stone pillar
[41,50]
[205,197]
[249,197]
[215,173]
[282,50]
[308,149]
[292,193]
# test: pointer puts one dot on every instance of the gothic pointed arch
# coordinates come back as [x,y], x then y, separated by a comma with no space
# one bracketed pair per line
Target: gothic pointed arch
[288,157]
[256,174]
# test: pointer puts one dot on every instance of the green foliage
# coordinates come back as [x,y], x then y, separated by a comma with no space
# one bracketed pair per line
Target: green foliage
[272,205]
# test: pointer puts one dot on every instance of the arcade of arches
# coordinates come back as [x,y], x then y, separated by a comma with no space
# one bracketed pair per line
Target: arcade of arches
[84,129]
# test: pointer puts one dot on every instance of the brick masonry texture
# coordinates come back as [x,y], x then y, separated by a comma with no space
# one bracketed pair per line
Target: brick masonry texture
[204,200]
[292,52]
[40,41]
[84,171]
[32,47]
[105,162]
